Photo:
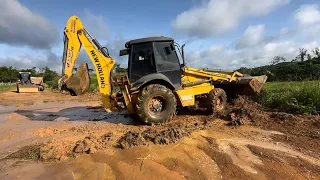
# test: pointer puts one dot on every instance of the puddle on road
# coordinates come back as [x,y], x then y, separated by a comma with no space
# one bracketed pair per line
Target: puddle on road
[18,125]
[6,109]
[71,111]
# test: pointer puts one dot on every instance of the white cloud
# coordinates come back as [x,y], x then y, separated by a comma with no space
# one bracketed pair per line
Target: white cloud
[284,31]
[96,25]
[33,59]
[308,15]
[252,36]
[21,27]
[255,48]
[230,58]
[307,19]
[311,45]
[217,17]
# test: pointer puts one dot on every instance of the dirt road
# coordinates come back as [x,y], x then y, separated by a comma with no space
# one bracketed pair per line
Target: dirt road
[53,136]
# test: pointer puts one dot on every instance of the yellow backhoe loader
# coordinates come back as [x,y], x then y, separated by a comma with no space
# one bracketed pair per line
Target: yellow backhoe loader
[157,82]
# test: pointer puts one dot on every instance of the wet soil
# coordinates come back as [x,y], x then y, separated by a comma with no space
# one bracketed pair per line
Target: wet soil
[72,140]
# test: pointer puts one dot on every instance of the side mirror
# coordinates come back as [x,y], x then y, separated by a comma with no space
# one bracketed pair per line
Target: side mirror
[182,49]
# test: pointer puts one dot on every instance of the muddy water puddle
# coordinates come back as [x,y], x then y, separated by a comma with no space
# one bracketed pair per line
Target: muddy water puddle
[29,124]
[247,153]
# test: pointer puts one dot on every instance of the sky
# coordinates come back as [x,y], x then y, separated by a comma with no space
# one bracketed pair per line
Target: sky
[224,34]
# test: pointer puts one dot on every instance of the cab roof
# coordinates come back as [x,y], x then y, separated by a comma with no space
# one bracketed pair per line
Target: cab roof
[148,39]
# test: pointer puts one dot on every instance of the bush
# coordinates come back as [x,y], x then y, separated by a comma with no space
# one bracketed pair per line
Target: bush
[292,97]
[49,75]
[53,83]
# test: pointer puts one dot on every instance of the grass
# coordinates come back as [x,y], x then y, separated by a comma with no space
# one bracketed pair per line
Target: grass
[94,83]
[292,97]
[7,87]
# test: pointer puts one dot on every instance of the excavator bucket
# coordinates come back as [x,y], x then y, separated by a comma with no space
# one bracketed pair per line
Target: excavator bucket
[79,82]
[247,85]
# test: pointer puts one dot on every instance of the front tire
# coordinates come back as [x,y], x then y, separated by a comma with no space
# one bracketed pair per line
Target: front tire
[156,104]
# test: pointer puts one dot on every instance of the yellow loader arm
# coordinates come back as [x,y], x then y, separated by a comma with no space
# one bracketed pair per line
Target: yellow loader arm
[75,36]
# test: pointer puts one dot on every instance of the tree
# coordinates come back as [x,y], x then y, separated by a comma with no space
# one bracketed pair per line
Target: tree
[316,52]
[277,59]
[302,54]
[309,57]
[117,66]
[49,75]
[91,71]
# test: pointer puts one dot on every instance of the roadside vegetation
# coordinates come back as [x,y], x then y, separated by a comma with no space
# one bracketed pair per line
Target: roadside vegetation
[293,85]
[298,97]
[7,87]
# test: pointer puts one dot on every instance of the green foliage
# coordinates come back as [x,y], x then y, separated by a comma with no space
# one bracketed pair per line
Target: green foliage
[94,83]
[49,75]
[292,97]
[7,87]
[288,71]
[53,84]
[10,74]
[120,70]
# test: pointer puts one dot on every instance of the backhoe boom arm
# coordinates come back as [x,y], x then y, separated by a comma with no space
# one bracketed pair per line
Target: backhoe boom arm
[76,36]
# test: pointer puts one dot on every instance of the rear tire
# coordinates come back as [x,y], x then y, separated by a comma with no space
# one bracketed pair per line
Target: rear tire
[217,101]
[41,87]
[155,104]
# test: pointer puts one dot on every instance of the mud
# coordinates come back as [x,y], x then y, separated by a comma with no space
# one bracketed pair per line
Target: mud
[31,152]
[242,111]
[78,140]
[91,138]
[167,136]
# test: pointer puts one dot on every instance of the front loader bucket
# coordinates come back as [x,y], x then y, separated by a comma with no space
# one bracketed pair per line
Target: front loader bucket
[249,85]
[27,88]
[79,82]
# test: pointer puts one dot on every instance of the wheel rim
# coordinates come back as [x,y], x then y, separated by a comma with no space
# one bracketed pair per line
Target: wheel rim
[219,103]
[156,105]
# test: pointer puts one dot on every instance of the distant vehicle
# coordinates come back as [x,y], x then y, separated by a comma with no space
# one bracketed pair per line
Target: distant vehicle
[26,83]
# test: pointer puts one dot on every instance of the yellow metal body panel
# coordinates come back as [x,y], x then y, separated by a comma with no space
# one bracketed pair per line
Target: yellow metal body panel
[77,36]
[200,78]
[27,88]
[187,94]
[193,75]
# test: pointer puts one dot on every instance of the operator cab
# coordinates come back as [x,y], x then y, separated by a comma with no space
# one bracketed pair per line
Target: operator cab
[24,77]
[153,58]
